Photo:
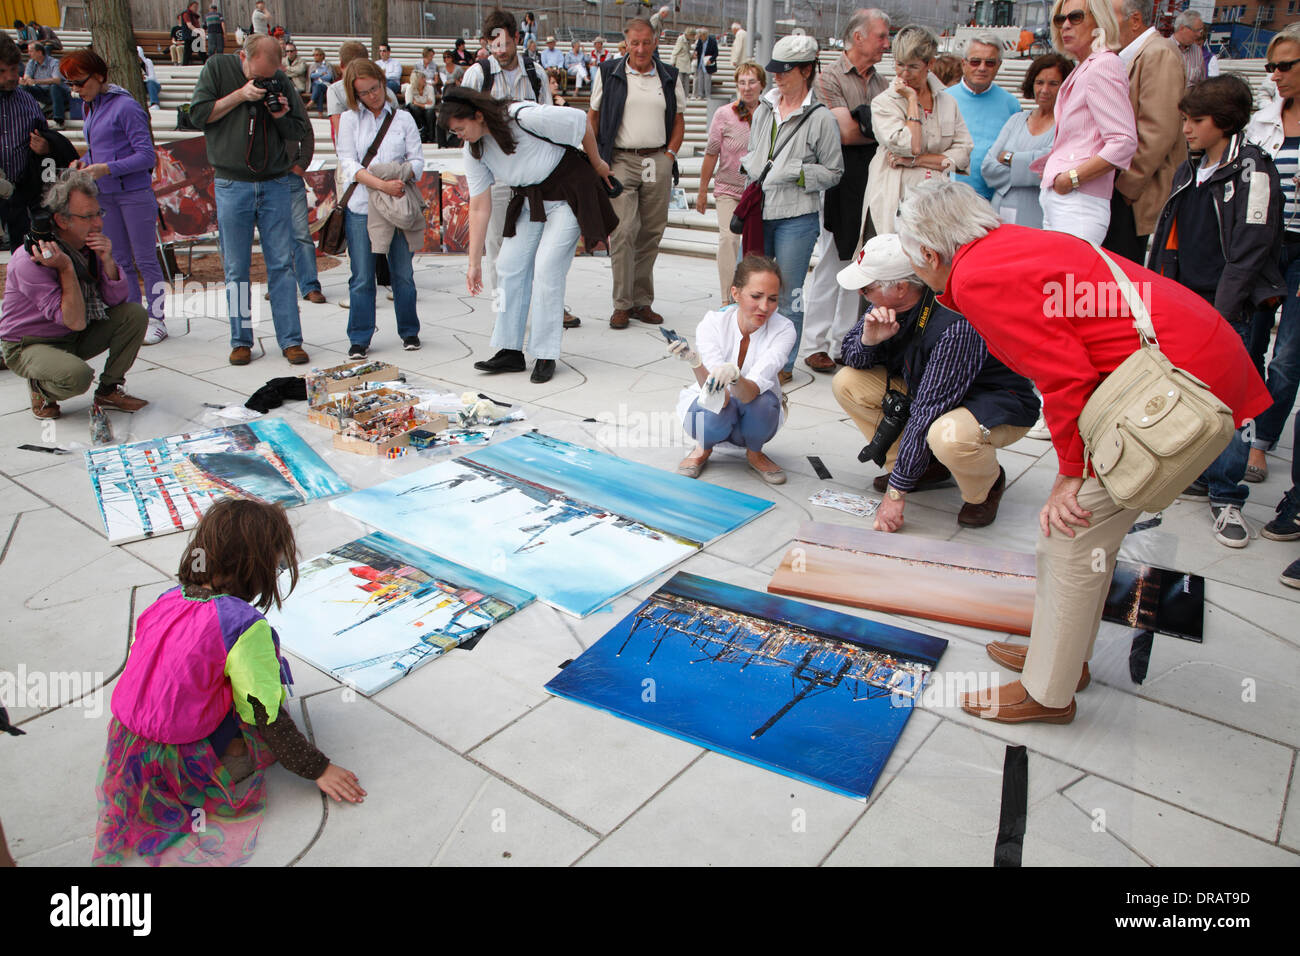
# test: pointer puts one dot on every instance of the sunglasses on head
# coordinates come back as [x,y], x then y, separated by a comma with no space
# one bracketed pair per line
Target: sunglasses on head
[1075,17]
[1283,66]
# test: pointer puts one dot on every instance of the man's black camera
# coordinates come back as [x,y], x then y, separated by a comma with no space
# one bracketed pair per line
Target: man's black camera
[40,230]
[273,98]
[896,406]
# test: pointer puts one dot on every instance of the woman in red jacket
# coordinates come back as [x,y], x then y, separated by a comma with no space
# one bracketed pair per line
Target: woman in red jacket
[1065,329]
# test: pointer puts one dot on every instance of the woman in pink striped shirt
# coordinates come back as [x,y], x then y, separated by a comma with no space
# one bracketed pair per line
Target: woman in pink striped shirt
[1096,133]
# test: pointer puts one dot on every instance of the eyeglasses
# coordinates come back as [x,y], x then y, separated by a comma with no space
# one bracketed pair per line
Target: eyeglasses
[77,84]
[97,214]
[977,63]
[1075,17]
[370,92]
[1283,66]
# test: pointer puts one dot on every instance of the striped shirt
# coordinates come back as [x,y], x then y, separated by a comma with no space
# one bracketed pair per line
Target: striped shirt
[945,380]
[1094,117]
[729,141]
[20,113]
[1287,161]
[1193,62]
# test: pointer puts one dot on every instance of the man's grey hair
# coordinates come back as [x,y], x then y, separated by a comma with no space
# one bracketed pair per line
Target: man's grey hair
[256,41]
[915,43]
[984,39]
[1188,18]
[913,280]
[943,216]
[736,26]
[858,22]
[1130,7]
[70,181]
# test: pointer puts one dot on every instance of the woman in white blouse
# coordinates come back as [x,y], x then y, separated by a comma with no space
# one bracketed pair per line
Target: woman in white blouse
[420,104]
[556,197]
[368,106]
[741,351]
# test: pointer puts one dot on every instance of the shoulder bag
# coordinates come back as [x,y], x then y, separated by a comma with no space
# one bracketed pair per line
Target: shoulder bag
[1150,428]
[751,200]
[333,235]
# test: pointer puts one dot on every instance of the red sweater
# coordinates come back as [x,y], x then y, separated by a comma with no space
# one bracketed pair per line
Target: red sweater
[1033,295]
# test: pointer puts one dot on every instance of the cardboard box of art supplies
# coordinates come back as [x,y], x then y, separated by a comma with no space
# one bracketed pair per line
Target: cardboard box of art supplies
[324,383]
[386,431]
[360,405]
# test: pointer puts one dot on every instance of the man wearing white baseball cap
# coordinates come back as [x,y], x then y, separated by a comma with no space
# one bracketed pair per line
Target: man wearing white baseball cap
[921,385]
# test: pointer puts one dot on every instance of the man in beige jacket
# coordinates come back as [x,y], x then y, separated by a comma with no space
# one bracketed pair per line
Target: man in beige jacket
[1156,82]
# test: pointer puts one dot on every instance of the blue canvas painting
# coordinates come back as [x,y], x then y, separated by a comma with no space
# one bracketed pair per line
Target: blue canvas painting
[815,694]
[574,526]
[370,611]
[162,485]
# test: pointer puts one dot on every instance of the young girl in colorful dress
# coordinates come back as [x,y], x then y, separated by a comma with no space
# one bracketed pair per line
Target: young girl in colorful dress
[199,708]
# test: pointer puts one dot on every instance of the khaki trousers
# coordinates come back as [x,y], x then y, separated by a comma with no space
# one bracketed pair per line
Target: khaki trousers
[728,244]
[956,439]
[57,366]
[1073,580]
[642,210]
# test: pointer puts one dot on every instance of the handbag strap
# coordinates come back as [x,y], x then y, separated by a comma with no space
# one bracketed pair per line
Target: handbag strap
[1141,317]
[370,154]
[777,147]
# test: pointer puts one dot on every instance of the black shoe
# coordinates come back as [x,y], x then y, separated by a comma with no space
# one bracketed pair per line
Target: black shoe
[506,360]
[358,351]
[543,369]
[411,343]
[1197,491]
[1286,526]
[1291,576]
[936,475]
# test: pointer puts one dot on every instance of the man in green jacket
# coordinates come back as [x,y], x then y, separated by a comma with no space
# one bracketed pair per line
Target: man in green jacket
[251,116]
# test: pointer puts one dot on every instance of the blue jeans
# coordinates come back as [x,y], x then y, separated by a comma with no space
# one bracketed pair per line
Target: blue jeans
[1225,473]
[268,205]
[154,88]
[361,287]
[750,425]
[790,242]
[1284,369]
[304,250]
[56,94]
[532,270]
[318,91]
[396,87]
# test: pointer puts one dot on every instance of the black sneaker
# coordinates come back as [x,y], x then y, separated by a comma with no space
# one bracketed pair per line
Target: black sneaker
[358,351]
[506,360]
[1286,526]
[1197,490]
[1230,527]
[411,343]
[1291,576]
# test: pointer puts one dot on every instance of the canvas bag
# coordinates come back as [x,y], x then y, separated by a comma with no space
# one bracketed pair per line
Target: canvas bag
[333,235]
[1150,428]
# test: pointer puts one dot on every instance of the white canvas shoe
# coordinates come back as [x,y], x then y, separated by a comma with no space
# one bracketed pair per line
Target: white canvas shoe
[1040,430]
[156,332]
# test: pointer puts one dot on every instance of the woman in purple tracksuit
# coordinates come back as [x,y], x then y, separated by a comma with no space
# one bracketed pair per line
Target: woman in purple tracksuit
[120,155]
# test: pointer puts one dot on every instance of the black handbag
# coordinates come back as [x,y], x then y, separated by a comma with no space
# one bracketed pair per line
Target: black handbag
[333,235]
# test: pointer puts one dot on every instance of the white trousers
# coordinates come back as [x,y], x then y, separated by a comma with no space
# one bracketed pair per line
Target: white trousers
[1079,214]
[829,310]
[500,199]
[533,270]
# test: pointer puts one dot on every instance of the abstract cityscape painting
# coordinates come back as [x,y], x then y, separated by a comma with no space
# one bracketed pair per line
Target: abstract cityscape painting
[161,485]
[574,526]
[964,584]
[811,693]
[370,611]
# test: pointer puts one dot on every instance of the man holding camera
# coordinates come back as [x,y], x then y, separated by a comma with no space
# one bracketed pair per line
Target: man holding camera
[921,385]
[252,118]
[65,301]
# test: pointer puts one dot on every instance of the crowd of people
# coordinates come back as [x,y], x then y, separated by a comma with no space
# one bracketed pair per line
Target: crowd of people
[947,222]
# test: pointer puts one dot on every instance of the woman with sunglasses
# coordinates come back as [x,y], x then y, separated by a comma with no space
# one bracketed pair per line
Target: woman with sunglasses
[120,156]
[1275,128]
[1096,132]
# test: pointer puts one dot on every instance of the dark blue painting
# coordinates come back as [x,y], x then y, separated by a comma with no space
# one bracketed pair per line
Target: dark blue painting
[815,694]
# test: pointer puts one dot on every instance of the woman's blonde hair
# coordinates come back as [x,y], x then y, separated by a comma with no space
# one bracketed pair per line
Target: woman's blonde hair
[358,69]
[1106,36]
[1288,34]
[915,43]
[752,66]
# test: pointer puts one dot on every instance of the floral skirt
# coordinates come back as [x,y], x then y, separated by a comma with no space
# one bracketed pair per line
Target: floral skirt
[176,804]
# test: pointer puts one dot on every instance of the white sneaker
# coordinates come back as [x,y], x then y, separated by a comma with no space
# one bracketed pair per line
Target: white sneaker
[156,332]
[1040,430]
[1230,527]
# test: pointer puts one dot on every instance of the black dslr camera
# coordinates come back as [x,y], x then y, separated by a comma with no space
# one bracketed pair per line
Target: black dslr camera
[273,90]
[896,407]
[40,230]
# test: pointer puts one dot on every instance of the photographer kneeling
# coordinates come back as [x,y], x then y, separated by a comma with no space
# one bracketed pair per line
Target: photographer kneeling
[65,301]
[921,385]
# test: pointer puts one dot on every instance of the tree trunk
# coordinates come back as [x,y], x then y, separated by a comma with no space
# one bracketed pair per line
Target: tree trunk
[113,38]
[378,26]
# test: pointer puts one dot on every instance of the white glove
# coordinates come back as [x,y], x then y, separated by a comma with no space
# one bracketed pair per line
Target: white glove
[721,378]
[682,350]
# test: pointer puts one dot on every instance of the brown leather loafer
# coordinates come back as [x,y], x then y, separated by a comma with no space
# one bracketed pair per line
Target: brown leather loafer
[935,474]
[241,355]
[820,362]
[1012,657]
[314,296]
[619,320]
[983,514]
[785,378]
[571,321]
[118,399]
[643,313]
[296,355]
[42,407]
[1011,704]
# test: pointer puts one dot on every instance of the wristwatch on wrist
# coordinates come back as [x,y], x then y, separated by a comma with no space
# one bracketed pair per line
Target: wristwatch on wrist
[1006,157]
[1074,179]
[894,494]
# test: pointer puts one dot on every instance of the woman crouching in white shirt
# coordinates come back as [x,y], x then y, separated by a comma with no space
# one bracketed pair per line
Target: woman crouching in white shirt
[742,348]
[557,195]
[368,105]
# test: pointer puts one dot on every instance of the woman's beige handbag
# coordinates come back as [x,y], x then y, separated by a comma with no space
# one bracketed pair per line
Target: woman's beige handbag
[1150,428]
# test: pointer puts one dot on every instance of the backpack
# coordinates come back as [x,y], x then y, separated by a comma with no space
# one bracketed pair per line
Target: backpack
[530,71]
